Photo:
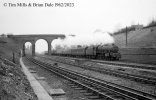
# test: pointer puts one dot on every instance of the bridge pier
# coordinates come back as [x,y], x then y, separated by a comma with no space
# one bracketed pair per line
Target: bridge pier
[33,48]
[49,47]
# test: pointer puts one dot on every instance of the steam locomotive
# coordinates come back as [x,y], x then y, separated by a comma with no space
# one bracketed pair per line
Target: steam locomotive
[104,52]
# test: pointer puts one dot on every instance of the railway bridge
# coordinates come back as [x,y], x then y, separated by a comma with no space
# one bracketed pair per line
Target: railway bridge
[22,39]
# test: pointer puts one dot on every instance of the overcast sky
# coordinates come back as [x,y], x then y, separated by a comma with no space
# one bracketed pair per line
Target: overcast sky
[85,17]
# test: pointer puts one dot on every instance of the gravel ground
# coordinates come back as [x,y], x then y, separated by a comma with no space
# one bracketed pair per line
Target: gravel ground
[13,84]
[139,86]
[56,82]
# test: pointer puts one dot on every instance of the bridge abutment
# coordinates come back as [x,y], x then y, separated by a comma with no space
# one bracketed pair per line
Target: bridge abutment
[23,50]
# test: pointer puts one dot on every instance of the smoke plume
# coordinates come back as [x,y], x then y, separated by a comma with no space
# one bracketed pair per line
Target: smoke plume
[96,38]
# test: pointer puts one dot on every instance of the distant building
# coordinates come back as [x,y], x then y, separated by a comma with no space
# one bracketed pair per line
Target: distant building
[138,27]
[72,35]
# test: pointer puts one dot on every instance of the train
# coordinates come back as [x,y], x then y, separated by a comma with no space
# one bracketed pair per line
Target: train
[103,52]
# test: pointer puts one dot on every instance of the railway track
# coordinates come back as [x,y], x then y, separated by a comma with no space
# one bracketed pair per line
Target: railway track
[127,64]
[99,88]
[138,78]
[124,64]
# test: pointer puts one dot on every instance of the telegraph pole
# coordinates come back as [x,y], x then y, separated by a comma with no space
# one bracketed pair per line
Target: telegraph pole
[126,36]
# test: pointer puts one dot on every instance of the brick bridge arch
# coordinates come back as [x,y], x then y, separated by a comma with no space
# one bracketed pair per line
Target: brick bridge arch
[22,39]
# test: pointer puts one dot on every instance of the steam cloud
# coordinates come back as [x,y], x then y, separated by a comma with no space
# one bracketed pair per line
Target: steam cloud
[96,38]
